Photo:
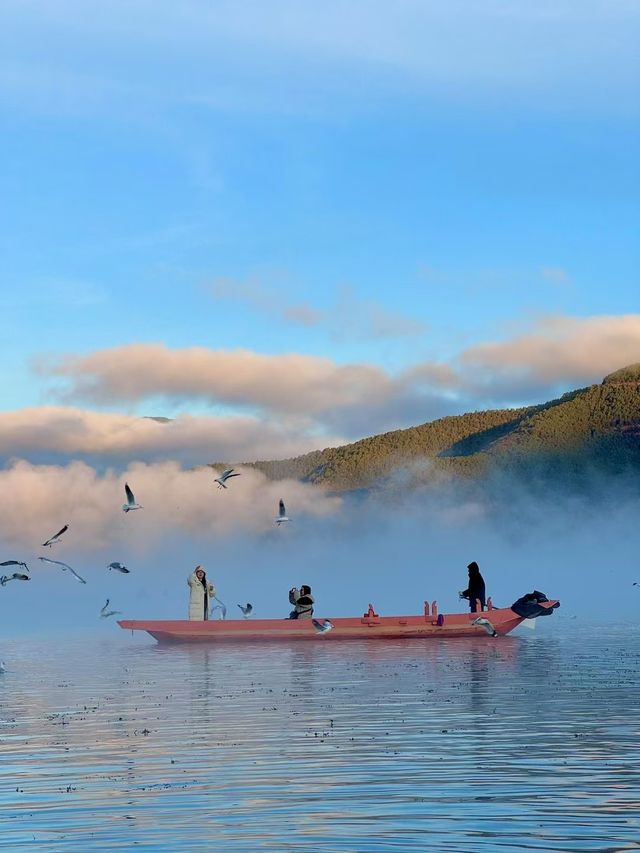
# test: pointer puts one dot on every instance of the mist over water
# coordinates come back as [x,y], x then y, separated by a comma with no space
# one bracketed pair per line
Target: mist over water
[391,547]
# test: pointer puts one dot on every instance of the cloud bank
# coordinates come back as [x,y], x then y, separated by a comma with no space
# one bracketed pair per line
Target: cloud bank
[60,433]
[554,354]
[176,502]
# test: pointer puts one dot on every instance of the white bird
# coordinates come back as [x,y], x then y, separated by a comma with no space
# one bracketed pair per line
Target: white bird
[56,537]
[282,513]
[246,609]
[104,613]
[118,567]
[484,623]
[221,606]
[131,501]
[3,667]
[4,580]
[226,475]
[65,567]
[15,563]
[322,627]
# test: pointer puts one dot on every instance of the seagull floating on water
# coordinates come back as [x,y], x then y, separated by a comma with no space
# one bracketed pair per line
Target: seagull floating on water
[65,567]
[104,613]
[56,537]
[15,563]
[322,627]
[282,513]
[131,501]
[3,667]
[484,623]
[118,567]
[226,475]
[246,609]
[4,580]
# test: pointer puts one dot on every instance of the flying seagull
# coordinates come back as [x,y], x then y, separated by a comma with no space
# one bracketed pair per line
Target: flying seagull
[65,568]
[282,513]
[55,538]
[131,501]
[4,580]
[118,567]
[15,563]
[484,623]
[246,609]
[104,613]
[322,627]
[226,475]
[221,606]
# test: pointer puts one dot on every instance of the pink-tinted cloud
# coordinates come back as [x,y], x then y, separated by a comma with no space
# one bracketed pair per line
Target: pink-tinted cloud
[175,500]
[289,383]
[557,350]
[317,396]
[64,433]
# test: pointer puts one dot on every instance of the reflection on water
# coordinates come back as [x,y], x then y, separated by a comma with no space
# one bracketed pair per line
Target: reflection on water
[511,744]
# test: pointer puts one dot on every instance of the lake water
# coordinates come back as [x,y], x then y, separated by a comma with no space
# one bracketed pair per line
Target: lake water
[518,743]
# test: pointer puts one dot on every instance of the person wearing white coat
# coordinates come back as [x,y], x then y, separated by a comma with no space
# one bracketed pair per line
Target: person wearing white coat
[201,592]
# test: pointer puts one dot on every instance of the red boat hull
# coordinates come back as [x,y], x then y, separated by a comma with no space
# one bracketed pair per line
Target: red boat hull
[366,627]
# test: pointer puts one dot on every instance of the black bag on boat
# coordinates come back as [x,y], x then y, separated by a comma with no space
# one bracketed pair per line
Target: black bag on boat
[529,606]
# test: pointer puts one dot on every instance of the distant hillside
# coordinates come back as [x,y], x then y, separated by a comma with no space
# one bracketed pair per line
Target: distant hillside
[593,427]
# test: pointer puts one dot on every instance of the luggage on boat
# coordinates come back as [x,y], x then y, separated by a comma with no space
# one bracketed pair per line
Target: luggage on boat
[529,606]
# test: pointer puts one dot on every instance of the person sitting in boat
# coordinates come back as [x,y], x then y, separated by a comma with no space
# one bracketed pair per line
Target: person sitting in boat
[302,601]
[201,592]
[476,589]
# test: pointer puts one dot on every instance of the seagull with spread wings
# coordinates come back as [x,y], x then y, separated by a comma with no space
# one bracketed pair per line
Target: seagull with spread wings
[55,538]
[484,623]
[226,475]
[4,580]
[15,563]
[282,514]
[104,613]
[65,567]
[131,501]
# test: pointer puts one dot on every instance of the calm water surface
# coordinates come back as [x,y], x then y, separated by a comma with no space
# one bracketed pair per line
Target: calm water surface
[519,743]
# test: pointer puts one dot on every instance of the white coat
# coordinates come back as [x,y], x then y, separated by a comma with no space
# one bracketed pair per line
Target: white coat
[196,597]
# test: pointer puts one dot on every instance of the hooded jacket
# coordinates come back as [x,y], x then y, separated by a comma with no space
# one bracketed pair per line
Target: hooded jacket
[476,588]
[199,598]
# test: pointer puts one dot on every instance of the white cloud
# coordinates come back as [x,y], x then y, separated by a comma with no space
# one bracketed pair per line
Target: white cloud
[59,433]
[44,497]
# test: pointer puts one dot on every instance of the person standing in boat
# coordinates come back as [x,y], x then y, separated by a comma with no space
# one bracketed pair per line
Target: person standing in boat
[200,593]
[476,589]
[302,601]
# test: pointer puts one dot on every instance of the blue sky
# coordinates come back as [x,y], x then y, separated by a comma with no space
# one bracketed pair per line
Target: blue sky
[422,177]
[286,225]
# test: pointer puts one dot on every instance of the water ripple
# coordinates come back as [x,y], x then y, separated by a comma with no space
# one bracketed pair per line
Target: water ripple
[484,745]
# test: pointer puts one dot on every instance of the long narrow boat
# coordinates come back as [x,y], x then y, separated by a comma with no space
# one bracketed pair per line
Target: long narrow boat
[370,626]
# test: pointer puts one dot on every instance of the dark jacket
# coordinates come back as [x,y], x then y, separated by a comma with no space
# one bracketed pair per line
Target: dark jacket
[476,588]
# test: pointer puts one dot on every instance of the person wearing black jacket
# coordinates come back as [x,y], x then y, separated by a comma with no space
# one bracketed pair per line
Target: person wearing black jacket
[476,588]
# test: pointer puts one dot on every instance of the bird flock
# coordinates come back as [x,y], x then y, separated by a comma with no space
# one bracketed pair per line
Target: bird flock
[130,505]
